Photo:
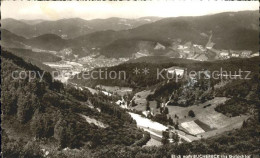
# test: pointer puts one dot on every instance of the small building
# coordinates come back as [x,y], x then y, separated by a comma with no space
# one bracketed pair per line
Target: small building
[234,53]
[224,53]
[246,53]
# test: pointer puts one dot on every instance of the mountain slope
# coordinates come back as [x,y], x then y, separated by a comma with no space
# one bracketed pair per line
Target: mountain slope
[53,114]
[47,42]
[8,39]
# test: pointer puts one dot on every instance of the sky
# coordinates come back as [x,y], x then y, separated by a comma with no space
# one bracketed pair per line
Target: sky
[54,10]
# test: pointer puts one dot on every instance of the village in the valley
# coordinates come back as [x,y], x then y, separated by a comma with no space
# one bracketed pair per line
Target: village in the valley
[71,64]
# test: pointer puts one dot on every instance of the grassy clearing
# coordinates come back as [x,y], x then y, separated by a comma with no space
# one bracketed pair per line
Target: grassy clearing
[211,121]
[140,100]
[192,127]
[116,90]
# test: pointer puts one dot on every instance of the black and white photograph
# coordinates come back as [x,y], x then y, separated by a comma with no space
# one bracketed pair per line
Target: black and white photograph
[130,79]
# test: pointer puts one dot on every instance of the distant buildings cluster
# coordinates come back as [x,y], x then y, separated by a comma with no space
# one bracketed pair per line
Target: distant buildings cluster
[202,53]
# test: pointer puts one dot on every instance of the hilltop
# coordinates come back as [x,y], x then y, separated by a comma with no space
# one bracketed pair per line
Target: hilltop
[72,27]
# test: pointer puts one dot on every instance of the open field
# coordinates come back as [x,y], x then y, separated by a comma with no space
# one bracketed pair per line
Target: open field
[140,100]
[200,112]
[192,127]
[204,126]
[116,90]
[236,123]
[206,118]
[140,97]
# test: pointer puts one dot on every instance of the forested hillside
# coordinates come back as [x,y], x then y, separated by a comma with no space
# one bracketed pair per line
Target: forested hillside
[37,114]
[142,80]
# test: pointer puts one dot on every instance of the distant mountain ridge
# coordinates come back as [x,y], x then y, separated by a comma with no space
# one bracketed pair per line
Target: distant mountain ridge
[72,27]
[229,31]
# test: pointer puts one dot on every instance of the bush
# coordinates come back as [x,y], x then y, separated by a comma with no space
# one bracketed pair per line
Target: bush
[191,113]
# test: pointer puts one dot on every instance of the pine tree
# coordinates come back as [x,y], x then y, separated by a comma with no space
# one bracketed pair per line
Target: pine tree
[165,137]
[148,106]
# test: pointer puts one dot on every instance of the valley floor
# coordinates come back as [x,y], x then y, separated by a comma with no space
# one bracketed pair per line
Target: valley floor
[206,123]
